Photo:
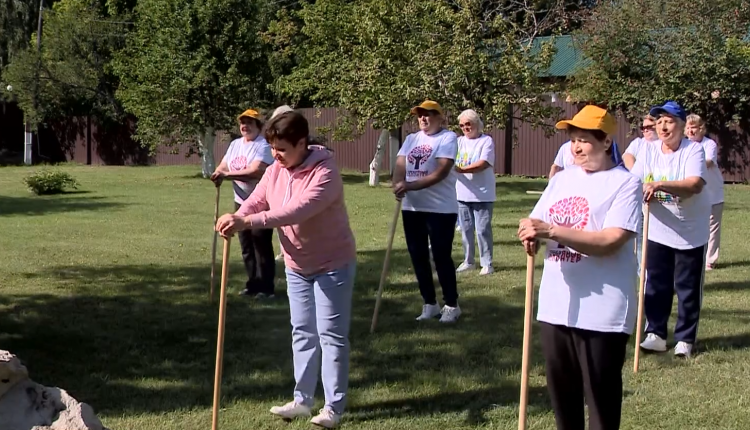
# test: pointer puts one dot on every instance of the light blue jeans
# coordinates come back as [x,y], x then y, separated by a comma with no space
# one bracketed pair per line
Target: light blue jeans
[476,217]
[321,309]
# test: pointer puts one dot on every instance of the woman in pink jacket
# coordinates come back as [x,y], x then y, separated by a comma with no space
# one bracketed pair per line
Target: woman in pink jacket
[302,195]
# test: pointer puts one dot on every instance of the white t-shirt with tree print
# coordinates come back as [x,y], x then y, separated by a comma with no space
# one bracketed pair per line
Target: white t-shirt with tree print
[564,157]
[240,156]
[583,291]
[422,151]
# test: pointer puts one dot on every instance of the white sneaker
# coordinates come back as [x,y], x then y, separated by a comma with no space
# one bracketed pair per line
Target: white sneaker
[326,418]
[429,312]
[458,228]
[280,257]
[486,270]
[683,349]
[450,314]
[464,267]
[291,411]
[654,343]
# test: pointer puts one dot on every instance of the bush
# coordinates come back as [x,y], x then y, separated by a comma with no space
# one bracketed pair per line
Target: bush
[50,182]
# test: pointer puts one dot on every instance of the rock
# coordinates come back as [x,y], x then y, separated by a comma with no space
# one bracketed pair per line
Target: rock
[26,405]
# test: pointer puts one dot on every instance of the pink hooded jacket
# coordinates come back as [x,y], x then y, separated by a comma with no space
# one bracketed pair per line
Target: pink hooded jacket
[306,204]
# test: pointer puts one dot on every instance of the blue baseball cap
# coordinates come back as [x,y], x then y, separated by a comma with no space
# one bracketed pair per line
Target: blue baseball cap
[671,108]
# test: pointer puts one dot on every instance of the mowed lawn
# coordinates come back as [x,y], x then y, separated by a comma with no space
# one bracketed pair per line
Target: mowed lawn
[104,292]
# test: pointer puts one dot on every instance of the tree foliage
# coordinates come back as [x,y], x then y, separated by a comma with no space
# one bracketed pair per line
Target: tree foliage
[71,74]
[375,59]
[641,53]
[192,65]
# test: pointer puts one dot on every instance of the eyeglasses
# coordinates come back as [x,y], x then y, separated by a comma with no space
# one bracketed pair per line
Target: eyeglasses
[648,128]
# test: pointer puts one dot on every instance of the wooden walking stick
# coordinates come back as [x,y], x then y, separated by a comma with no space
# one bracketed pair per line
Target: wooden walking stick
[384,273]
[642,289]
[220,335]
[213,249]
[528,317]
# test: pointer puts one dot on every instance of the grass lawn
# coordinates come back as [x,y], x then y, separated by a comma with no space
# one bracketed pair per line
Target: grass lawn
[104,292]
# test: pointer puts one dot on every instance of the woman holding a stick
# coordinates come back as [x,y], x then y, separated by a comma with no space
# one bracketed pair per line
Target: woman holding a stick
[673,170]
[302,195]
[588,216]
[425,181]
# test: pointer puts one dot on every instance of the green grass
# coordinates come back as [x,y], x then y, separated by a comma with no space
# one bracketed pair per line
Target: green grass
[104,292]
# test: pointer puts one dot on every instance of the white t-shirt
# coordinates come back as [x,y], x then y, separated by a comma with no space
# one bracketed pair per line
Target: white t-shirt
[675,222]
[714,178]
[564,156]
[240,155]
[421,152]
[480,186]
[582,291]
[635,146]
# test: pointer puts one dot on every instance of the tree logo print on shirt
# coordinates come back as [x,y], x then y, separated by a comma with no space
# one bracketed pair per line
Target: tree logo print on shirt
[238,163]
[417,157]
[570,212]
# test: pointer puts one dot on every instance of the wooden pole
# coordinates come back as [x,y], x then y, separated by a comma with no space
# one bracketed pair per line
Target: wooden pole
[384,273]
[220,335]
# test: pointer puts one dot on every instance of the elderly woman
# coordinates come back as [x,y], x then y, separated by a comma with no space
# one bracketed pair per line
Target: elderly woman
[673,170]
[302,195]
[696,131]
[475,190]
[426,184]
[587,304]
[244,163]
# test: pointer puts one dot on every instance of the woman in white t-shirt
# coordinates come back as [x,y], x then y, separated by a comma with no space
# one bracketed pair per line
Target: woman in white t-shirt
[244,163]
[475,190]
[696,131]
[673,170]
[587,301]
[425,182]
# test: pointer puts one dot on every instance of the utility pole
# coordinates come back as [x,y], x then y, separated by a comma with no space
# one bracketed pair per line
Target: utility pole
[28,134]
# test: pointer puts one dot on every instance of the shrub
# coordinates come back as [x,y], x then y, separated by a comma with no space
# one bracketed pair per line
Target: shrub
[50,182]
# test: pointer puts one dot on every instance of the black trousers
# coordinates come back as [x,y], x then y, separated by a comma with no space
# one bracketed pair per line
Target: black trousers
[257,254]
[440,229]
[584,364]
[670,271]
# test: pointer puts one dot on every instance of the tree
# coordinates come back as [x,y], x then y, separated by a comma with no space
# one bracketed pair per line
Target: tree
[374,59]
[70,76]
[190,67]
[641,53]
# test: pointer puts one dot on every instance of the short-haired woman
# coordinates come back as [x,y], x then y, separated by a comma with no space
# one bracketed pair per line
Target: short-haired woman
[673,170]
[588,216]
[302,195]
[426,184]
[475,190]
[696,131]
[244,163]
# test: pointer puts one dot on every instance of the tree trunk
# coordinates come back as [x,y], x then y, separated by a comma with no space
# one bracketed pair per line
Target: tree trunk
[377,160]
[394,143]
[206,150]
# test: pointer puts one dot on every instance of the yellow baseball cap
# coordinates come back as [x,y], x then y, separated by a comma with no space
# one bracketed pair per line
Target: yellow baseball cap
[591,118]
[428,105]
[251,113]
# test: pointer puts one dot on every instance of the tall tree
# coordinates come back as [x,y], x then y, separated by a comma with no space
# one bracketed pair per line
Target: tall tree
[640,53]
[190,67]
[374,59]
[70,75]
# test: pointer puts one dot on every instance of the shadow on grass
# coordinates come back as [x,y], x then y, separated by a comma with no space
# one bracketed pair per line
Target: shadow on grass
[363,178]
[41,205]
[723,343]
[139,339]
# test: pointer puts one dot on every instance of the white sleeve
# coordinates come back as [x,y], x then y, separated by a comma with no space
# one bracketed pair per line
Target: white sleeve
[625,212]
[695,165]
[225,159]
[543,203]
[711,150]
[263,153]
[634,147]
[560,158]
[488,151]
[448,147]
[405,147]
